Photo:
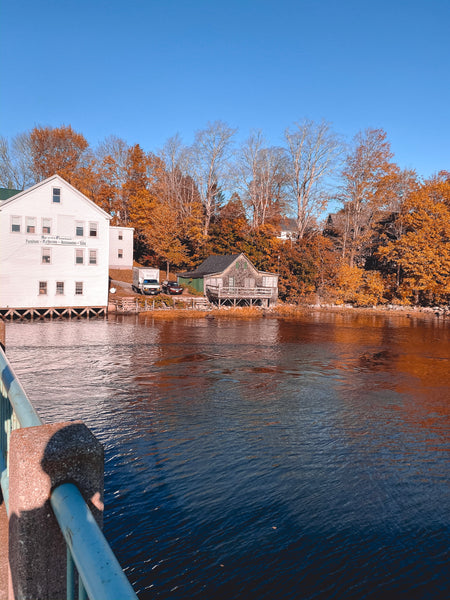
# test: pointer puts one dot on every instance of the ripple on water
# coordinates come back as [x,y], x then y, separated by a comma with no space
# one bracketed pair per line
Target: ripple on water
[263,459]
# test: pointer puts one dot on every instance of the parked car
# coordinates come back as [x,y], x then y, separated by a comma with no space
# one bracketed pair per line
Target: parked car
[171,287]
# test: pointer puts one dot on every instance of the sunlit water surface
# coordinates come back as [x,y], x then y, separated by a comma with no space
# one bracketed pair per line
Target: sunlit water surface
[263,458]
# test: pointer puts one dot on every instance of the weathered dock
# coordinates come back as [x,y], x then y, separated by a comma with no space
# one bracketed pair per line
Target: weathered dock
[67,312]
[137,305]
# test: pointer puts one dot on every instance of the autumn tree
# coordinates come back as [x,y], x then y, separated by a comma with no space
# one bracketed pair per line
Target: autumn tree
[57,150]
[357,286]
[208,159]
[397,187]
[422,252]
[365,177]
[137,196]
[229,230]
[179,191]
[313,151]
[111,170]
[259,176]
[159,229]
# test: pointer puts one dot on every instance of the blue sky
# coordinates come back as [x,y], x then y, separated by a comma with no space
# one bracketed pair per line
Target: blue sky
[145,70]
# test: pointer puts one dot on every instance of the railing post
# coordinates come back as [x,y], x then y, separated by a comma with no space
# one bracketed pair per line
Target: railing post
[42,458]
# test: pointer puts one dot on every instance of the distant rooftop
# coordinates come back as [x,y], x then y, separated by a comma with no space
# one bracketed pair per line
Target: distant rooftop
[6,193]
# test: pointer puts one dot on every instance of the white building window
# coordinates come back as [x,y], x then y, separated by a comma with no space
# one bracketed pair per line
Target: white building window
[16,223]
[42,288]
[92,257]
[79,257]
[120,235]
[56,197]
[78,288]
[46,256]
[92,229]
[60,288]
[119,253]
[31,224]
[46,226]
[79,229]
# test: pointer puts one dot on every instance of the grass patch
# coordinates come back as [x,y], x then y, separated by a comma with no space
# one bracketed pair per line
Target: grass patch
[176,313]
[237,312]
[287,310]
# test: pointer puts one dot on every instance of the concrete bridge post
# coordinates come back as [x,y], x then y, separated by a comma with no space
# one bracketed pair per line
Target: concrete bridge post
[2,335]
[41,458]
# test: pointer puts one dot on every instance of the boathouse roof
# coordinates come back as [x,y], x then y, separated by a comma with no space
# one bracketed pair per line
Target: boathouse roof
[213,264]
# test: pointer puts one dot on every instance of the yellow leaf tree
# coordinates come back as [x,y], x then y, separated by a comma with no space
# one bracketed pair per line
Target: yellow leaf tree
[422,253]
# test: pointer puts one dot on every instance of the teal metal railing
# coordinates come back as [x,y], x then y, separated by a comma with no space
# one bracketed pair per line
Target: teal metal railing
[15,411]
[100,576]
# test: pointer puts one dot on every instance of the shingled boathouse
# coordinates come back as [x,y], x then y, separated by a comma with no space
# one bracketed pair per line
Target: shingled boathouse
[232,280]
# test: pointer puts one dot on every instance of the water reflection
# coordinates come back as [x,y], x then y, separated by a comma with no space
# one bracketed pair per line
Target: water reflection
[260,459]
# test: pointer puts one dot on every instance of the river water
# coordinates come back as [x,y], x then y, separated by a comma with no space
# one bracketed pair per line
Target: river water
[266,458]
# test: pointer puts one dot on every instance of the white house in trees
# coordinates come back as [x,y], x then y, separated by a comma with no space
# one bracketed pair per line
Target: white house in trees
[121,247]
[54,249]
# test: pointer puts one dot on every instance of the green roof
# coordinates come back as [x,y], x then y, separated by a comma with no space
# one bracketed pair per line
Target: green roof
[6,194]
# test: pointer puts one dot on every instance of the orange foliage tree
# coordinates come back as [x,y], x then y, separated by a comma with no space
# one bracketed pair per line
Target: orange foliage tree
[58,150]
[357,286]
[422,253]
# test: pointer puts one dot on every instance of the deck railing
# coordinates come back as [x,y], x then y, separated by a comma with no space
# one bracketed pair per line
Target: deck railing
[100,576]
[240,292]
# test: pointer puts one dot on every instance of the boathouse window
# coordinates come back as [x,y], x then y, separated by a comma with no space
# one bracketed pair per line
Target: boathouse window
[119,253]
[92,229]
[46,256]
[78,288]
[46,226]
[15,224]
[56,195]
[79,257]
[92,257]
[42,288]
[31,224]
[231,282]
[59,288]
[79,229]
[269,282]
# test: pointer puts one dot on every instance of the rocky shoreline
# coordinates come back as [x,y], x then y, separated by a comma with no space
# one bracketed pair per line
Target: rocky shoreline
[408,311]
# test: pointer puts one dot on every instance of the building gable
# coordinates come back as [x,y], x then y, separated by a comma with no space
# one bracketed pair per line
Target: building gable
[56,181]
[242,266]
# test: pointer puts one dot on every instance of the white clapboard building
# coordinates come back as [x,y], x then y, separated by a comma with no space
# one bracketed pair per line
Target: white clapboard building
[121,247]
[54,249]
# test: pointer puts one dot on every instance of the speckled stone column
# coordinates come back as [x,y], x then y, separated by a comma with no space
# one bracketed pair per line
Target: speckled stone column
[41,458]
[2,336]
